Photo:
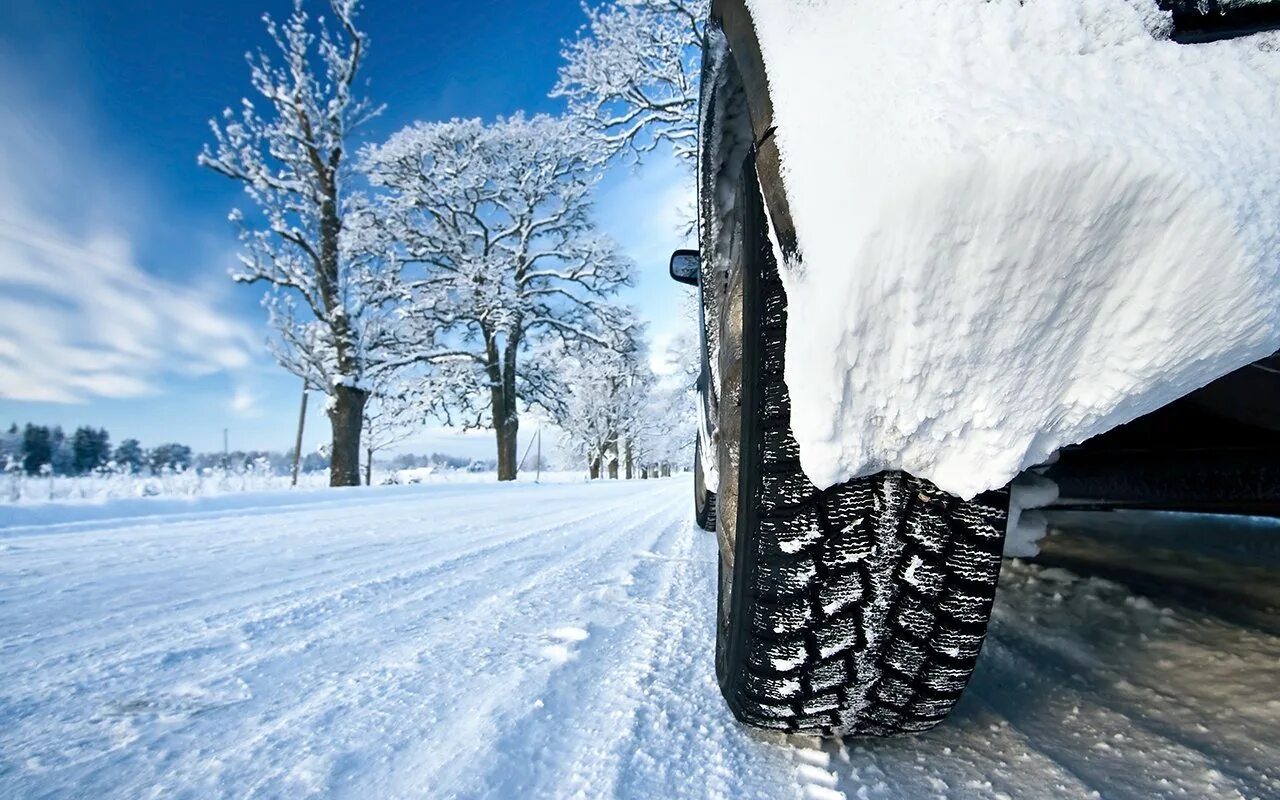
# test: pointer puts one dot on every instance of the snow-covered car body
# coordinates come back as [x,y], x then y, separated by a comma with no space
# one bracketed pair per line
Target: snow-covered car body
[944,242]
[1007,227]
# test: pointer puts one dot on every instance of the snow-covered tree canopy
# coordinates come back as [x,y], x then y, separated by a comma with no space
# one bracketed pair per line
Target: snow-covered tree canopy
[292,161]
[605,399]
[667,427]
[491,227]
[618,410]
[391,414]
[633,74]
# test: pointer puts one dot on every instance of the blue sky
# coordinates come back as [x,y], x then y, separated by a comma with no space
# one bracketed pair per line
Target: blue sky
[115,306]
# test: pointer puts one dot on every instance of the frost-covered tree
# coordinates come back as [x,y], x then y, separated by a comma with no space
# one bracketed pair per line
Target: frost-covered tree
[603,411]
[292,158]
[129,456]
[666,423]
[37,448]
[633,74]
[90,450]
[390,416]
[498,256]
[170,456]
[667,427]
[11,445]
[618,413]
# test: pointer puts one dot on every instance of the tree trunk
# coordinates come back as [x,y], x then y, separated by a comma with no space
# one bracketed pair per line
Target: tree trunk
[612,449]
[595,468]
[626,446]
[346,415]
[506,438]
[368,468]
[506,425]
[346,403]
[506,418]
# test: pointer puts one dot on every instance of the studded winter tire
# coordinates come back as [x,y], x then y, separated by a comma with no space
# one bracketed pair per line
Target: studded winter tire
[858,609]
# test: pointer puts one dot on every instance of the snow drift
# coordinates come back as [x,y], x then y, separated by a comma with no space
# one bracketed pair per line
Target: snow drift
[1020,224]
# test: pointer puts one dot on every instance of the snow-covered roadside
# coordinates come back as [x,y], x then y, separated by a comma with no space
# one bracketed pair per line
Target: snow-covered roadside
[191,484]
[1020,224]
[18,488]
[553,641]
[165,508]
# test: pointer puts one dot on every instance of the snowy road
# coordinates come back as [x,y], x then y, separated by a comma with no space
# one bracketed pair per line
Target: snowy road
[555,640]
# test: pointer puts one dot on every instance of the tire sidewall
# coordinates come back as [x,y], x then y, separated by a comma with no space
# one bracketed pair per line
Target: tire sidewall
[732,610]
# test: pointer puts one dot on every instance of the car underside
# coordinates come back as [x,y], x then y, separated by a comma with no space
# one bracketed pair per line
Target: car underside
[1217,450]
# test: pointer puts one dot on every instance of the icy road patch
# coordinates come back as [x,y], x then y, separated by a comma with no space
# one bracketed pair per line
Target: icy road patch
[551,641]
[1021,223]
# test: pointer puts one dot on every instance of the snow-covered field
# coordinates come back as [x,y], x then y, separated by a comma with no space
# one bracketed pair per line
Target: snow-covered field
[21,489]
[552,641]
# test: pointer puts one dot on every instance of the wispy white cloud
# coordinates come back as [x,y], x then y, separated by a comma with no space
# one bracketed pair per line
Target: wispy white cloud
[244,402]
[79,316]
[80,319]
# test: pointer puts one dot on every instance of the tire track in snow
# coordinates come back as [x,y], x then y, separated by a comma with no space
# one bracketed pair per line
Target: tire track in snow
[482,721]
[485,617]
[564,527]
[251,592]
[595,695]
[1138,710]
[334,524]
[638,714]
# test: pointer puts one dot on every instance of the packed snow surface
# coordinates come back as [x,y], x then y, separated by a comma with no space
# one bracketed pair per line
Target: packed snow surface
[1020,224]
[487,641]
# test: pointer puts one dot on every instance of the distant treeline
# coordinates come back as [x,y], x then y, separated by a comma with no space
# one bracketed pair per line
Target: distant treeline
[412,461]
[44,450]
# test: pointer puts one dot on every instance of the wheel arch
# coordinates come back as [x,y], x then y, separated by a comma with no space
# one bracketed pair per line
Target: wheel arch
[741,52]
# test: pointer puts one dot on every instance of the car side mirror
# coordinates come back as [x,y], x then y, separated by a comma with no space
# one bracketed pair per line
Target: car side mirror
[685,266]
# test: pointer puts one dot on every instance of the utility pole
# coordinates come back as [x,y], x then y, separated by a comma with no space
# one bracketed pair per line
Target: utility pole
[537,478]
[537,439]
[297,445]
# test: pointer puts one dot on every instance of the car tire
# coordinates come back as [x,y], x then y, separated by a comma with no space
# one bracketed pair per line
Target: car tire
[854,610]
